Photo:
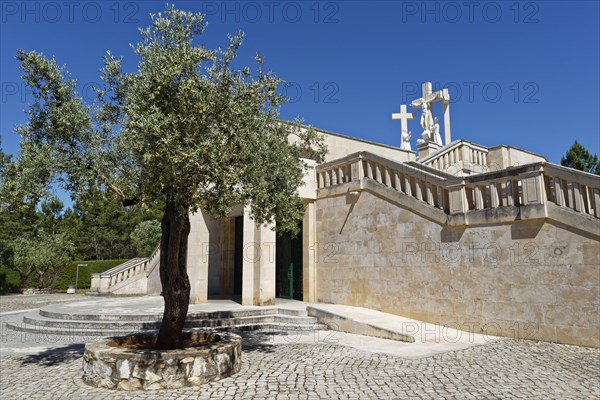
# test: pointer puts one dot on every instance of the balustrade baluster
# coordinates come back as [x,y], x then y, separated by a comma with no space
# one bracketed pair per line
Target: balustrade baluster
[369,170]
[577,197]
[429,194]
[418,189]
[494,200]
[596,196]
[407,188]
[397,184]
[478,198]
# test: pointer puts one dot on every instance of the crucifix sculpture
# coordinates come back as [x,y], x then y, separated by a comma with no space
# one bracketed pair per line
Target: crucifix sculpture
[428,123]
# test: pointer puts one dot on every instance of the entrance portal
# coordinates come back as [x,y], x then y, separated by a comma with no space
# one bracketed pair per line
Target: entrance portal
[289,266]
[238,255]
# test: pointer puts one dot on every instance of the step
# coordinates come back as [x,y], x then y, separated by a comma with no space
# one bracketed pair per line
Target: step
[45,321]
[72,331]
[35,318]
[50,312]
[122,267]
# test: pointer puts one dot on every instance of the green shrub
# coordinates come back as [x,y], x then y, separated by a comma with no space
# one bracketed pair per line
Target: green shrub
[67,275]
[9,280]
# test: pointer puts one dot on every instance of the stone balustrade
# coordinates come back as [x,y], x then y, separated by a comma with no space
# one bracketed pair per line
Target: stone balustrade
[531,186]
[576,190]
[106,281]
[423,183]
[458,158]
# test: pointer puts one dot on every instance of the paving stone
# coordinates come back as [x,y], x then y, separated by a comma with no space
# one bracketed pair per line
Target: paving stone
[503,369]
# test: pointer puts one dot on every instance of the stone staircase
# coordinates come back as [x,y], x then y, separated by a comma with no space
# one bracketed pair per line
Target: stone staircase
[49,321]
[539,190]
[128,278]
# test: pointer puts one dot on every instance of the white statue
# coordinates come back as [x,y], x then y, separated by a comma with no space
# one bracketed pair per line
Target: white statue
[435,132]
[406,135]
[426,120]
[431,127]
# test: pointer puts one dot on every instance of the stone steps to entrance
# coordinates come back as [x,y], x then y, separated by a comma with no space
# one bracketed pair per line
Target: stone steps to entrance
[38,320]
[81,321]
[282,313]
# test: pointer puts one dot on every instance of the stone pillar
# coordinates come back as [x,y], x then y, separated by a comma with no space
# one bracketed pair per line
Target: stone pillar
[427,148]
[199,252]
[458,199]
[532,186]
[309,269]
[258,266]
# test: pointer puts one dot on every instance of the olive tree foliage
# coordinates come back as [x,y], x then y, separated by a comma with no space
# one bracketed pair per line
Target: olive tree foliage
[187,130]
[145,236]
[42,256]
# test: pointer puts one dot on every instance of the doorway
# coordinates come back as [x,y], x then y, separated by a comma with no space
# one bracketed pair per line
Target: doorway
[238,255]
[288,262]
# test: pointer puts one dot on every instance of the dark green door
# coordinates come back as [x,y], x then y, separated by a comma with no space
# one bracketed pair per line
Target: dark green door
[289,266]
[238,255]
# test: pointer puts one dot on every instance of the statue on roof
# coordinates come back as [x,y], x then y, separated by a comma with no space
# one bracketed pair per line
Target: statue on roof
[405,145]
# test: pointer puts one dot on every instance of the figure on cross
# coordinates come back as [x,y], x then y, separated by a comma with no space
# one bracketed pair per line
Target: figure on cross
[428,123]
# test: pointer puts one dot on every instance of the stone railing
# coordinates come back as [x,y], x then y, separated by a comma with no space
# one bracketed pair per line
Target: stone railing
[511,187]
[107,281]
[423,183]
[570,188]
[459,158]
[529,187]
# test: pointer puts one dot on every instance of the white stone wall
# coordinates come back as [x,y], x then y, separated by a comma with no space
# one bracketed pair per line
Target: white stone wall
[528,279]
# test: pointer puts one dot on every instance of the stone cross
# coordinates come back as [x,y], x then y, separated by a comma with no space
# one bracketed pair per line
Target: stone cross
[403,116]
[428,98]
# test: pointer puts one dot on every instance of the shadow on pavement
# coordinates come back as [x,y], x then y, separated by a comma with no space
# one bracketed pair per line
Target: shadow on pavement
[56,356]
[257,341]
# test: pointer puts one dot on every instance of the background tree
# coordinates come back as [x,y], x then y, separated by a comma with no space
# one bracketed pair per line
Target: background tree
[42,256]
[51,216]
[578,157]
[102,226]
[186,130]
[145,237]
[5,160]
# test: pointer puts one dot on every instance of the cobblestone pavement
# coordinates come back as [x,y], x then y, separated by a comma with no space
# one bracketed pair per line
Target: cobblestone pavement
[50,367]
[505,369]
[14,302]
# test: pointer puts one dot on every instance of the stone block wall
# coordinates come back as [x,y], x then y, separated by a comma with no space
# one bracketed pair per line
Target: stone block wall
[528,279]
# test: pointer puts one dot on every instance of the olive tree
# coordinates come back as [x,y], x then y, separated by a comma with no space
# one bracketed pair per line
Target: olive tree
[187,130]
[42,257]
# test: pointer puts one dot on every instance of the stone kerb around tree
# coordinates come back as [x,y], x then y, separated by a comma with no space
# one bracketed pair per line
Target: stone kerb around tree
[130,362]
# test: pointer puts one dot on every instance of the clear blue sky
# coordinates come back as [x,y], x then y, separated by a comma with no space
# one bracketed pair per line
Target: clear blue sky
[520,73]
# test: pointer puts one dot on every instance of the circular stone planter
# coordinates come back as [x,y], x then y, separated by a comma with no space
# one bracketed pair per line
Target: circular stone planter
[130,362]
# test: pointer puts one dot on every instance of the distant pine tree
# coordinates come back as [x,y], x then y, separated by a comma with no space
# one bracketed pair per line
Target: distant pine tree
[578,157]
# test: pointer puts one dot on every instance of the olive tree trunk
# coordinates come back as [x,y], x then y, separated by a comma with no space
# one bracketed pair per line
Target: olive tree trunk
[173,275]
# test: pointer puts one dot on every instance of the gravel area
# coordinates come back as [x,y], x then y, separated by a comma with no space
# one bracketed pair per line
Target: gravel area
[16,302]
